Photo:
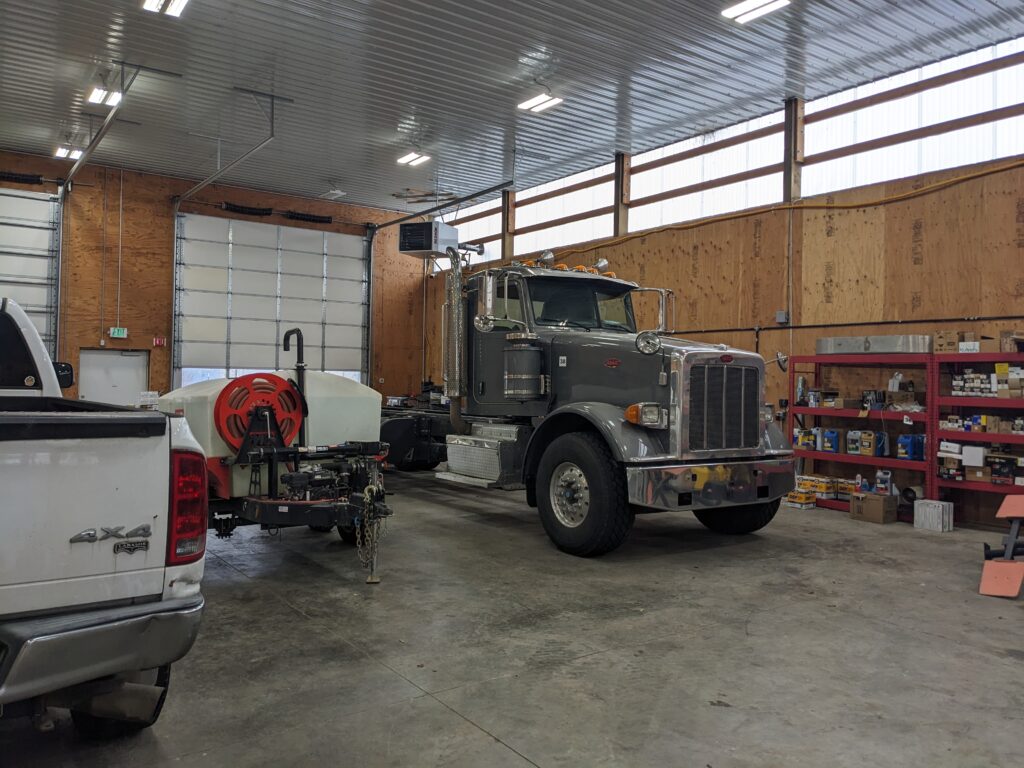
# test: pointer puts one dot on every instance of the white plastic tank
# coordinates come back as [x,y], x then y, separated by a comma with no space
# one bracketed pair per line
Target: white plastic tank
[340,410]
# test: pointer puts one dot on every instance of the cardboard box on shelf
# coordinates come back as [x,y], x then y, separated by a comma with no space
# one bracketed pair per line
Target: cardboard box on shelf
[1011,341]
[973,342]
[848,403]
[978,474]
[947,341]
[821,486]
[901,397]
[974,455]
[872,508]
[845,488]
[947,447]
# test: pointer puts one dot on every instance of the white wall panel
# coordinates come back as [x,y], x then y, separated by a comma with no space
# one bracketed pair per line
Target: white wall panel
[300,311]
[29,253]
[240,285]
[345,267]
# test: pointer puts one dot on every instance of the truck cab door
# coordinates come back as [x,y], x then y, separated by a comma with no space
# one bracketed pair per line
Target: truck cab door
[487,366]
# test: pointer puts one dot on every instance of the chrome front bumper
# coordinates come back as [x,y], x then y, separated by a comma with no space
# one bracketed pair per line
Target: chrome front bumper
[710,486]
[44,655]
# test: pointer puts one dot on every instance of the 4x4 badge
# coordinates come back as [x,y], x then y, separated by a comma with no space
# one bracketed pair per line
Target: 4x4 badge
[89,534]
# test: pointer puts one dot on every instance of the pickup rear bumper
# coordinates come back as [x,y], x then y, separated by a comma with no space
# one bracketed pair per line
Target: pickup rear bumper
[43,655]
[715,485]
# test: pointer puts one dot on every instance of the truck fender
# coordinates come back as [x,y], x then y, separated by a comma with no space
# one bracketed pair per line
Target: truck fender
[626,441]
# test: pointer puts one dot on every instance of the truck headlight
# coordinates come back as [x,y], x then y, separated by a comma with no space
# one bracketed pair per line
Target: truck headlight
[646,415]
[648,342]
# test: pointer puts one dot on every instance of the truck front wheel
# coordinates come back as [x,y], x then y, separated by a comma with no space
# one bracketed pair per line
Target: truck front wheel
[581,496]
[738,520]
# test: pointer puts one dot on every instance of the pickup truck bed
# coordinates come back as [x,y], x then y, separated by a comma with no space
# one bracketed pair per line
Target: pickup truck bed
[102,539]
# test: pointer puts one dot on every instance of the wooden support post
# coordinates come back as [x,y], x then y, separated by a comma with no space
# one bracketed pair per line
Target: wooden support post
[793,144]
[508,224]
[620,218]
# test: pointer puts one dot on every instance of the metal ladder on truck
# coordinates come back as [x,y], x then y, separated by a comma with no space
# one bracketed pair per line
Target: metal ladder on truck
[1002,575]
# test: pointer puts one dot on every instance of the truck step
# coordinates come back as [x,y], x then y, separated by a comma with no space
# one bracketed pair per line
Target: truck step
[454,477]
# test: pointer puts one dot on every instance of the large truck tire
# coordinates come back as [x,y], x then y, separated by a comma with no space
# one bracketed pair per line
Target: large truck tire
[581,495]
[738,520]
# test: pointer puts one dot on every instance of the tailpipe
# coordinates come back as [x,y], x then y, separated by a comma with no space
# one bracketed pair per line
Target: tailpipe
[459,424]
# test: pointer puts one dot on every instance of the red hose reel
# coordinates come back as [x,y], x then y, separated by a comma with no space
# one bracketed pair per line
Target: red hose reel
[236,401]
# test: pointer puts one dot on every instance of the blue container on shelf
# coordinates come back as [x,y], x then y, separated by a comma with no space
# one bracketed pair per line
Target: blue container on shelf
[832,441]
[910,447]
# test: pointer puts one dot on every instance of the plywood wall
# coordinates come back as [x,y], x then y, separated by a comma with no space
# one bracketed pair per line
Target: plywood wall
[930,262]
[95,232]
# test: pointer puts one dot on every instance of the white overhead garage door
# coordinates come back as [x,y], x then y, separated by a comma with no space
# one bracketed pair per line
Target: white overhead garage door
[29,248]
[240,285]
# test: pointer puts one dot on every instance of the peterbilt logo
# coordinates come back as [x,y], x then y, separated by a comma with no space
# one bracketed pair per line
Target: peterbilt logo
[612,362]
[90,535]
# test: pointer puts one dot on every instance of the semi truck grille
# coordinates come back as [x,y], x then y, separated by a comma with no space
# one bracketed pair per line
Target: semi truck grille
[724,410]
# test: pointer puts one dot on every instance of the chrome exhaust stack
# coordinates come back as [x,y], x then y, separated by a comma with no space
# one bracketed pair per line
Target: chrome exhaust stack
[454,341]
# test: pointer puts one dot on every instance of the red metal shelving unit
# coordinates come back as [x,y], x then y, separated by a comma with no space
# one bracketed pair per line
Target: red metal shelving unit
[842,506]
[966,358]
[928,417]
[984,404]
[849,413]
[968,485]
[979,437]
[886,462]
[980,402]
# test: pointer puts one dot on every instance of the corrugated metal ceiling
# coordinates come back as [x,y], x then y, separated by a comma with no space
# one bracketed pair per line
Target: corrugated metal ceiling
[371,79]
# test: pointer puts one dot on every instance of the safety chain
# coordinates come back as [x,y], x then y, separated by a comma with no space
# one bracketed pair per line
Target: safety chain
[371,529]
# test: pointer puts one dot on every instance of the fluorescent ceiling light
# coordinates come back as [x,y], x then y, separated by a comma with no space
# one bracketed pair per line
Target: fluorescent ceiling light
[113,99]
[531,103]
[98,95]
[75,154]
[175,7]
[763,10]
[420,160]
[408,158]
[551,102]
[753,9]
[61,152]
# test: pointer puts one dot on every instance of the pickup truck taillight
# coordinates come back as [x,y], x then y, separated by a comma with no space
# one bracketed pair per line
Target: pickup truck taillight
[186,534]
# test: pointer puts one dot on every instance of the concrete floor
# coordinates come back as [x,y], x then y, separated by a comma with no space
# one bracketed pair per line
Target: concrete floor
[819,641]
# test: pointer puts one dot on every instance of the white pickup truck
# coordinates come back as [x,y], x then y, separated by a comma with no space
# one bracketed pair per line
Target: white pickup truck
[103,517]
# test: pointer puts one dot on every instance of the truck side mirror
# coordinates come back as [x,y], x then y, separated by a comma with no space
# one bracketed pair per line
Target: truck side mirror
[65,374]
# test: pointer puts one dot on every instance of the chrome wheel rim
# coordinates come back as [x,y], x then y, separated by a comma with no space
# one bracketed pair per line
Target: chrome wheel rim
[570,494]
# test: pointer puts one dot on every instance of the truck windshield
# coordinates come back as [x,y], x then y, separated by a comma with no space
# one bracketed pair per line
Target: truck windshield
[581,304]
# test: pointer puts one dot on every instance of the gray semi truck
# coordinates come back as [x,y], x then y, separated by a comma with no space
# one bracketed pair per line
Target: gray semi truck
[553,390]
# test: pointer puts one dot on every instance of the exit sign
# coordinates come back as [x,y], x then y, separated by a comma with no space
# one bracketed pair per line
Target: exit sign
[119,333]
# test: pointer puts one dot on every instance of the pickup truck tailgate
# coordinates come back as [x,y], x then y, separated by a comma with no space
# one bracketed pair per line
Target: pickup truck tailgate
[83,516]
